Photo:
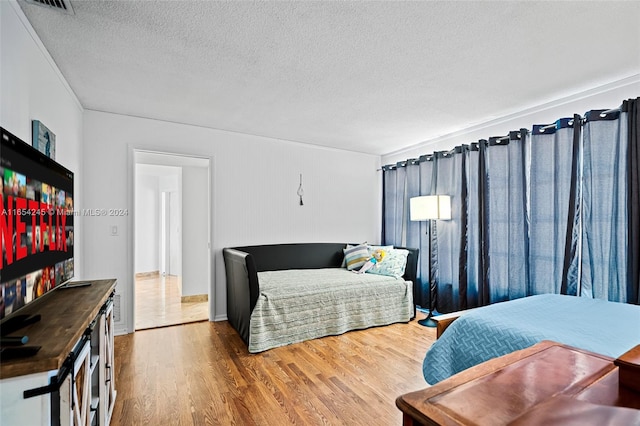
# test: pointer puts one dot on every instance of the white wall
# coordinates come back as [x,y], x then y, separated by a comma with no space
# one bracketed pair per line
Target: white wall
[147,207]
[32,88]
[172,184]
[151,180]
[253,194]
[195,235]
[175,231]
[170,181]
[605,97]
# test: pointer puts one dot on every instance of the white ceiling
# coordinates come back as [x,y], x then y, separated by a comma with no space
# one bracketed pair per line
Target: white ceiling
[365,76]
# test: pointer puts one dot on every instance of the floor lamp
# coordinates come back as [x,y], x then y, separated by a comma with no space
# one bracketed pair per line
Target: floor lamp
[431,208]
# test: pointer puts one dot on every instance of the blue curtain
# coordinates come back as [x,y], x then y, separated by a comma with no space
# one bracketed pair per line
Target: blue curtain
[556,210]
[427,187]
[451,261]
[630,113]
[604,207]
[394,204]
[414,233]
[473,246]
[401,182]
[507,222]
[552,160]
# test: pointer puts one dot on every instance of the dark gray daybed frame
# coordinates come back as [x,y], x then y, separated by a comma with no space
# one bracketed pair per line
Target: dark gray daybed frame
[242,265]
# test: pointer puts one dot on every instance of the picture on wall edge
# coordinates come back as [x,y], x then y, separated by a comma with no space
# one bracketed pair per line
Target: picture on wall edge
[43,139]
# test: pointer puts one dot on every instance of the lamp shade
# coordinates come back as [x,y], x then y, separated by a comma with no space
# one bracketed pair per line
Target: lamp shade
[428,207]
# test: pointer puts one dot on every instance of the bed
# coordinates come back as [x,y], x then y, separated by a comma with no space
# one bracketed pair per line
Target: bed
[480,334]
[288,293]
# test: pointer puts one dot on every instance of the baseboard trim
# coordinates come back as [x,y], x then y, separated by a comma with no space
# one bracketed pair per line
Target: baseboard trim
[195,298]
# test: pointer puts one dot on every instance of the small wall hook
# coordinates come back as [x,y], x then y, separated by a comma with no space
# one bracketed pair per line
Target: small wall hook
[300,191]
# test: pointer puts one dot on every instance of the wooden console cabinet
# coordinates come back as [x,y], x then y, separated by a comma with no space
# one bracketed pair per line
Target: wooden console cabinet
[546,384]
[70,380]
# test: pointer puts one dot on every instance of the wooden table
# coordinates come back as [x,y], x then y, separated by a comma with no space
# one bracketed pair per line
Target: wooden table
[66,314]
[548,383]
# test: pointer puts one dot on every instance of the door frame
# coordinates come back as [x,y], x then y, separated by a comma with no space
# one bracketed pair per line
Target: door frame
[133,151]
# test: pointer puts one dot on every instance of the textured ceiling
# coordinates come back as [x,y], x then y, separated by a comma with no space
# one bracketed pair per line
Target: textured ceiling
[365,76]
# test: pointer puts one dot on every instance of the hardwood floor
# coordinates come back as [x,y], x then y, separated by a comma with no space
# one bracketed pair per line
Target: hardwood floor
[158,303]
[202,374]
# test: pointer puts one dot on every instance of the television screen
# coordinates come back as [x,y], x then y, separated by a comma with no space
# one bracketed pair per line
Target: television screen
[36,224]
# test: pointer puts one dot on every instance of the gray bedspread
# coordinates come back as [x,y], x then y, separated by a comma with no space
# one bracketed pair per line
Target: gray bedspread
[302,304]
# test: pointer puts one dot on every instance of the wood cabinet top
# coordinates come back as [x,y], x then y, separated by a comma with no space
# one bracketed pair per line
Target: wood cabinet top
[503,390]
[66,314]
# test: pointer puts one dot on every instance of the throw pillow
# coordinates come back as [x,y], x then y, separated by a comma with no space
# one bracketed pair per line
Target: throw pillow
[356,256]
[344,259]
[393,265]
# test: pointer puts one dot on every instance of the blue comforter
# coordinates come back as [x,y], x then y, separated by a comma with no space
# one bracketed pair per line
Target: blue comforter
[595,325]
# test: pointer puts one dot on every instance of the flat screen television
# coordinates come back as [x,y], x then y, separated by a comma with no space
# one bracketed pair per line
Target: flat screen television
[36,224]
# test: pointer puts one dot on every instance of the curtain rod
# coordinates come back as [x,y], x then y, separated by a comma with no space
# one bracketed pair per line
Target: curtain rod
[609,111]
[551,126]
[508,137]
[542,129]
[602,114]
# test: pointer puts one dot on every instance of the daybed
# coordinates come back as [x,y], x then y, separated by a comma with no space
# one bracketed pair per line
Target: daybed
[286,293]
[480,334]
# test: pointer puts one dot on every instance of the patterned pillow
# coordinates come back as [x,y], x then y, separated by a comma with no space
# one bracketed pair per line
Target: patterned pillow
[356,256]
[344,259]
[393,264]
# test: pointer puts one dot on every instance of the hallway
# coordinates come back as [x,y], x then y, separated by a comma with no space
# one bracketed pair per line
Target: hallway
[158,303]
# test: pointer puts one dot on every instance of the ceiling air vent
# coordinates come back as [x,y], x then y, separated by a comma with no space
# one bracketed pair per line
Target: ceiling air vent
[63,6]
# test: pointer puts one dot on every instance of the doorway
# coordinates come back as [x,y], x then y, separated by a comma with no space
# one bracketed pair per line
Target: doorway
[169,209]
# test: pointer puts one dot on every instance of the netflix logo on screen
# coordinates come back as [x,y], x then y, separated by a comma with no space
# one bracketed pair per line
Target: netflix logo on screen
[36,224]
[30,227]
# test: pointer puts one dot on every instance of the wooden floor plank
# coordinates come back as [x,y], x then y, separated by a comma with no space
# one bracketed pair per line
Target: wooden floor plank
[159,303]
[202,374]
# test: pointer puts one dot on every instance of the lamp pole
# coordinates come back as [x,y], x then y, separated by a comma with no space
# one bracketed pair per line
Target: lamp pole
[433,274]
[431,208]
